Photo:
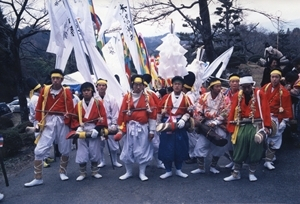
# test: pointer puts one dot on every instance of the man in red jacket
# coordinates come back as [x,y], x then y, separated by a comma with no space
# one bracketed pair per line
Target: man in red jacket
[137,121]
[279,100]
[53,115]
[249,113]
[91,118]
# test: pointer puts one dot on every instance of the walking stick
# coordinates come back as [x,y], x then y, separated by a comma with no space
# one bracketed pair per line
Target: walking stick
[108,147]
[2,162]
[120,147]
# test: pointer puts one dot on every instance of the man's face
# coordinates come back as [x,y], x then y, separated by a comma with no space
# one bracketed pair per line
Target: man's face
[56,81]
[177,86]
[87,93]
[216,89]
[247,88]
[101,88]
[275,79]
[234,84]
[137,87]
[273,64]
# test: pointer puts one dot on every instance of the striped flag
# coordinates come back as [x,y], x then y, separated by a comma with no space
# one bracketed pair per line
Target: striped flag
[95,17]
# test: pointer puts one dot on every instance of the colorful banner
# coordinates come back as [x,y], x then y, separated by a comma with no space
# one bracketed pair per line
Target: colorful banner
[95,18]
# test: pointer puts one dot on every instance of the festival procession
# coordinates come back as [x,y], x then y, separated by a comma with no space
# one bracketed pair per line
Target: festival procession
[133,113]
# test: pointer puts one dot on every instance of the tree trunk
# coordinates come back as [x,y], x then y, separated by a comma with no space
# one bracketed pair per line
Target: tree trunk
[21,86]
[206,30]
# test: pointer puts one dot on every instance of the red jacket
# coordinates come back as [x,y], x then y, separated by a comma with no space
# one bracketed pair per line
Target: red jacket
[245,110]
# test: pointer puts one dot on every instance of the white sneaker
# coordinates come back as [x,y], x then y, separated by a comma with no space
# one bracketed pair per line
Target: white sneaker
[34,182]
[125,176]
[63,177]
[274,158]
[1,196]
[101,165]
[80,178]
[116,164]
[97,176]
[166,175]
[252,177]
[198,171]
[143,177]
[181,174]
[269,165]
[214,170]
[232,178]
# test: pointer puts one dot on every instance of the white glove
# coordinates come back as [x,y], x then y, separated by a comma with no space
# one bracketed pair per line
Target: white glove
[94,133]
[79,129]
[180,123]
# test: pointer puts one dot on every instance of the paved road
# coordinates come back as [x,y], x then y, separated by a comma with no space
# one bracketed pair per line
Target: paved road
[279,186]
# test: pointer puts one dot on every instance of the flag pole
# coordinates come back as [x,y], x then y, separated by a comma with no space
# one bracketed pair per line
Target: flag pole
[75,22]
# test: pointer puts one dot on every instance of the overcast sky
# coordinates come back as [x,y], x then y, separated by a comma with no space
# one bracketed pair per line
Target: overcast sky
[288,10]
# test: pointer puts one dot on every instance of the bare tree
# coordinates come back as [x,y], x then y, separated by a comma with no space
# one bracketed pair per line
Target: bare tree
[156,10]
[26,18]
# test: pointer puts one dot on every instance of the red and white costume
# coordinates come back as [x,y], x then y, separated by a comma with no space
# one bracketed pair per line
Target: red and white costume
[54,115]
[136,124]
[89,148]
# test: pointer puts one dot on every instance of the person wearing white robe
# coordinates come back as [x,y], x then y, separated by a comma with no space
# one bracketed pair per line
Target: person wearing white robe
[112,112]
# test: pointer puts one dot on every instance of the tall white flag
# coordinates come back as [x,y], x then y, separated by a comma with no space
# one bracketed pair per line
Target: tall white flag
[114,57]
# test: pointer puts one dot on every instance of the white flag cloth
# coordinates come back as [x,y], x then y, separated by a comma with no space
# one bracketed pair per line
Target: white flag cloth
[172,61]
[102,71]
[222,61]
[78,34]
[58,44]
[114,57]
[65,27]
[197,67]
[120,11]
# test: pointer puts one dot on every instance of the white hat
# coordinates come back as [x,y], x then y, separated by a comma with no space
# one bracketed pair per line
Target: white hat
[246,80]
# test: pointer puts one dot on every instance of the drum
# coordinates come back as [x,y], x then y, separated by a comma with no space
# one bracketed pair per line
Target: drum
[210,134]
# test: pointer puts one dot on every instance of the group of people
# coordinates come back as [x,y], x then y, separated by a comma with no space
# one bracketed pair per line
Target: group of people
[170,127]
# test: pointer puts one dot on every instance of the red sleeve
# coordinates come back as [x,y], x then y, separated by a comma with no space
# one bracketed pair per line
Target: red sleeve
[234,103]
[121,118]
[69,101]
[38,108]
[70,106]
[153,114]
[75,121]
[286,104]
[102,112]
[265,108]
[162,103]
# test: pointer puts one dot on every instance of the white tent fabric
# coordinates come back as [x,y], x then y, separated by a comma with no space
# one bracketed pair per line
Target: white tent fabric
[76,78]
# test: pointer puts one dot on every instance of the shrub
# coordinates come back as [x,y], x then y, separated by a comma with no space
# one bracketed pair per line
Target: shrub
[5,123]
[15,139]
